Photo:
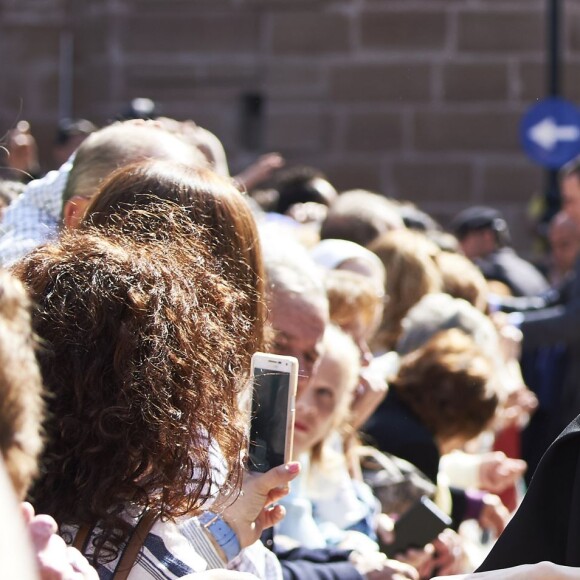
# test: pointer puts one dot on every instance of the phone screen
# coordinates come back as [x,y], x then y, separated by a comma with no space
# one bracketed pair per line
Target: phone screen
[269,419]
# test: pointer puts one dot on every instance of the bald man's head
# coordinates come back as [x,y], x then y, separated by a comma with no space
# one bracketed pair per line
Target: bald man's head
[114,146]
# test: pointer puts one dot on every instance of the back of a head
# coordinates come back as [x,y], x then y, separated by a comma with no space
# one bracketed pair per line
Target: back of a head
[436,312]
[202,139]
[409,259]
[351,295]
[360,216]
[448,384]
[120,144]
[301,184]
[463,279]
[214,206]
[416,219]
[141,360]
[21,405]
[291,271]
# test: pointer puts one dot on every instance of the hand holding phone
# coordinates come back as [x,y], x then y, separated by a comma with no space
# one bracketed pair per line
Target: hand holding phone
[275,379]
[418,526]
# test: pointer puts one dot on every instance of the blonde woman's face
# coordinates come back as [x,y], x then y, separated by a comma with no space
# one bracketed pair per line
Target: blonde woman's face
[320,406]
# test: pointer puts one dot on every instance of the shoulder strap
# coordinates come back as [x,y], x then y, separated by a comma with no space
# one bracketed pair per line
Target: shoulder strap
[129,556]
[82,538]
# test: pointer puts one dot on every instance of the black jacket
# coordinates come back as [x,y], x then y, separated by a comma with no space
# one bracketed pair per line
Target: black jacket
[395,429]
[554,318]
[547,524]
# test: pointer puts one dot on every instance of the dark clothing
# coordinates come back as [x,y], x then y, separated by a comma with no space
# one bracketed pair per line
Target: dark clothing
[395,429]
[554,319]
[544,371]
[504,265]
[307,564]
[323,564]
[547,524]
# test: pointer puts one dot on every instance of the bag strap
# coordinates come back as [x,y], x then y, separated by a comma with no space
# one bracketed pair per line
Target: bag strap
[131,551]
[82,538]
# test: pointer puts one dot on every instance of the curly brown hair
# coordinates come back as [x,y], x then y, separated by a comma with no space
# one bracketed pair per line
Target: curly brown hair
[141,346]
[448,384]
[212,201]
[21,405]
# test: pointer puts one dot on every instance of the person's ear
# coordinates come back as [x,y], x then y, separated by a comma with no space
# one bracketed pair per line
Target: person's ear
[74,210]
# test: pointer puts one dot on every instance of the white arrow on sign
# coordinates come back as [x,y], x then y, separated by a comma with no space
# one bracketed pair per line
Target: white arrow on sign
[547,133]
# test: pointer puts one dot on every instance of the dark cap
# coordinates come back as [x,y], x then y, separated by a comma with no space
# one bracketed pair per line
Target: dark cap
[476,218]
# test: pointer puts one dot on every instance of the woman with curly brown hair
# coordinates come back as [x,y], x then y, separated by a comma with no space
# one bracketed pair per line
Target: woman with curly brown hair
[212,202]
[140,339]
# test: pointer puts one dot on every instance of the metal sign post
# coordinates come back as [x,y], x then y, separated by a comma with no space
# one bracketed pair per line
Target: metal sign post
[552,189]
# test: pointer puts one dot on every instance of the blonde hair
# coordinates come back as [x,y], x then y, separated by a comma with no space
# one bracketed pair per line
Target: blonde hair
[340,347]
[463,279]
[350,294]
[409,259]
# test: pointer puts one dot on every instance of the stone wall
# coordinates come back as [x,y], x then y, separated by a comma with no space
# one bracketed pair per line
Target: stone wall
[418,99]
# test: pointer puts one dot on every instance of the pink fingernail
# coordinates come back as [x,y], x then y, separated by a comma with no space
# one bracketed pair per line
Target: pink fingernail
[293,467]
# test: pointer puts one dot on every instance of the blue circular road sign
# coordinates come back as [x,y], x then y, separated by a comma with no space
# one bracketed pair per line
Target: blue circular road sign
[550,132]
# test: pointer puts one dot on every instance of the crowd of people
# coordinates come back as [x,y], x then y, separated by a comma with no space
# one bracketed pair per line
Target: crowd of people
[138,279]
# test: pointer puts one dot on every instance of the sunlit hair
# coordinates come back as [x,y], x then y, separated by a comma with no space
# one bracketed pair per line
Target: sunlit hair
[107,149]
[350,295]
[360,216]
[462,279]
[340,351]
[408,258]
[140,351]
[212,202]
[448,384]
[21,405]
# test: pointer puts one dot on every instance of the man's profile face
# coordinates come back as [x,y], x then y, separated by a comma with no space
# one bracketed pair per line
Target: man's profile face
[299,325]
[571,197]
[478,243]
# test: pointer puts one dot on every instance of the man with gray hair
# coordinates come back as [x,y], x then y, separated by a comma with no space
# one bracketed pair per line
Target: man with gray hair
[298,305]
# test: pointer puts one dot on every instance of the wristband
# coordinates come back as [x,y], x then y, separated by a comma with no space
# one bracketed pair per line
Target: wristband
[221,532]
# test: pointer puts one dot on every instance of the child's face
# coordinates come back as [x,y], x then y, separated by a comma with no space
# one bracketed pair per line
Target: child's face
[321,405]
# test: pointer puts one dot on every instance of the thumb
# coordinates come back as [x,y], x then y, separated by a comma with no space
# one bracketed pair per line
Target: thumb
[276,477]
[41,529]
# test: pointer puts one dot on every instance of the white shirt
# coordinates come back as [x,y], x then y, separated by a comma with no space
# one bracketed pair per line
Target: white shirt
[34,218]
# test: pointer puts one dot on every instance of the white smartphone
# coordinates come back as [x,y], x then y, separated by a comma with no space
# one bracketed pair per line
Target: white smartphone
[275,379]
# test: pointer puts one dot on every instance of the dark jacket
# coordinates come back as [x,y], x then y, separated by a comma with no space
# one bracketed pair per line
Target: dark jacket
[552,319]
[520,276]
[547,524]
[395,429]
[307,564]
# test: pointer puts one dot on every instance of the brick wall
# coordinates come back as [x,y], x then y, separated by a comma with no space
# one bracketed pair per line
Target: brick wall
[418,99]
